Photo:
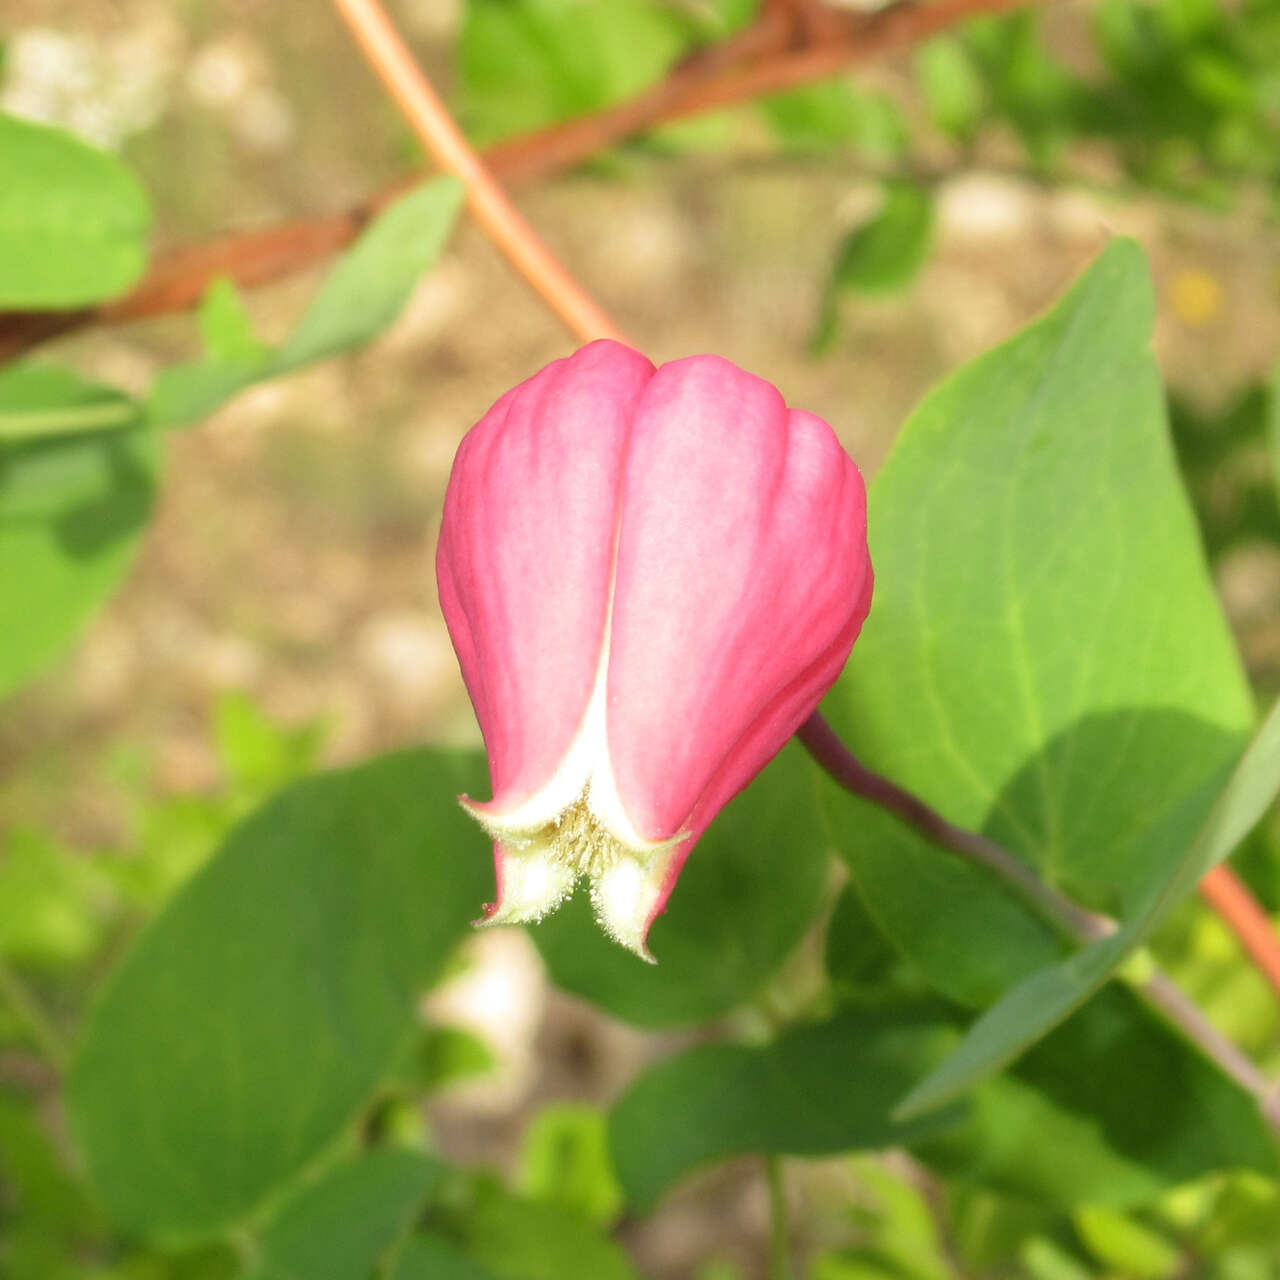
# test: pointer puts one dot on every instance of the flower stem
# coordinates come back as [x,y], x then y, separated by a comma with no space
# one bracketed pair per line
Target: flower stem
[44,1035]
[427,115]
[779,1244]
[1077,922]
[824,745]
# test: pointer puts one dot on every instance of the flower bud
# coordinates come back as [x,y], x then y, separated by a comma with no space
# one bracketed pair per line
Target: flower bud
[651,577]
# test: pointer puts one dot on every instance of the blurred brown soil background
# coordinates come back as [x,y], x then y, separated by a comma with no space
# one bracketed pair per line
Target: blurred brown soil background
[292,552]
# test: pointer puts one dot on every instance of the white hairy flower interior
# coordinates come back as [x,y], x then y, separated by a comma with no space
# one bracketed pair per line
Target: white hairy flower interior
[576,826]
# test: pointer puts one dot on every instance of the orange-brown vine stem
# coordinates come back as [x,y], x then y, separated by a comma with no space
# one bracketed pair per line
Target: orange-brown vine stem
[420,105]
[782,49]
[1241,912]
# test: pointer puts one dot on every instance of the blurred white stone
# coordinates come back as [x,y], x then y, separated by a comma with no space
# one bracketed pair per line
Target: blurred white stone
[104,89]
[432,307]
[432,18]
[219,73]
[408,654]
[106,664]
[984,207]
[264,120]
[1249,581]
[499,996]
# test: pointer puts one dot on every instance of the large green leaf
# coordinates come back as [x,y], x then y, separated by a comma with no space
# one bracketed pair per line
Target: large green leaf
[816,1090]
[338,1227]
[1041,1001]
[739,908]
[1045,659]
[361,296]
[72,503]
[73,219]
[253,1017]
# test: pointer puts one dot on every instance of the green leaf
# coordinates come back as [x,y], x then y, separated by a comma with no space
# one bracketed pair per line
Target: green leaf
[524,64]
[736,913]
[39,400]
[71,509]
[857,953]
[816,1090]
[565,1161]
[225,326]
[1041,1001]
[337,1227]
[360,297]
[365,292]
[1045,659]
[255,1015]
[528,1240]
[951,86]
[444,1055]
[48,913]
[73,219]
[428,1257]
[880,256]
[814,117]
[1127,1246]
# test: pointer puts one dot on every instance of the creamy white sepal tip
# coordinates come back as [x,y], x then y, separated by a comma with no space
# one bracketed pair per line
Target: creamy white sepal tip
[575,826]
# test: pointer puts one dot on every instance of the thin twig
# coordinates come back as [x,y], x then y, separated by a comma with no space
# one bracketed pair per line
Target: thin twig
[1077,922]
[822,742]
[1241,912]
[43,1034]
[769,55]
[430,120]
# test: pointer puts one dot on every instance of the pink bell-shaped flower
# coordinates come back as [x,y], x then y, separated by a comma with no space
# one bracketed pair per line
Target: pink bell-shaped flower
[651,577]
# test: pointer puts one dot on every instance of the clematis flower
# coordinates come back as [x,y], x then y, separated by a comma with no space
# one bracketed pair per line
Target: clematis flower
[651,577]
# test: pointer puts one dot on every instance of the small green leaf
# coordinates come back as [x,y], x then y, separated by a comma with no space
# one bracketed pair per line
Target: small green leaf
[525,64]
[360,297]
[565,1160]
[443,1056]
[881,255]
[73,219]
[519,1239]
[365,292]
[256,1014]
[951,86]
[337,1227]
[816,1090]
[72,504]
[1129,1247]
[40,400]
[736,913]
[226,328]
[49,909]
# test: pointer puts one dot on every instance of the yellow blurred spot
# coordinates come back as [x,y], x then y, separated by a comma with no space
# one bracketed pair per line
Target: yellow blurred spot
[1196,297]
